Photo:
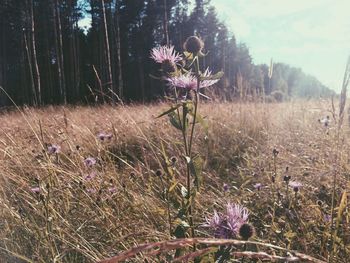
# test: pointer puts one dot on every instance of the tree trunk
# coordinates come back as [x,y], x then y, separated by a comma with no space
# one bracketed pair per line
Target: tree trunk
[49,83]
[120,72]
[165,24]
[142,77]
[30,69]
[2,61]
[35,61]
[108,54]
[60,53]
[73,68]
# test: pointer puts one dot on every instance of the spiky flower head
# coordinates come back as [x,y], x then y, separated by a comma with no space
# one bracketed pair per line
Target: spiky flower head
[185,81]
[53,149]
[257,186]
[90,176]
[188,81]
[237,213]
[167,56]
[226,187]
[295,185]
[104,136]
[90,161]
[35,189]
[227,225]
[193,45]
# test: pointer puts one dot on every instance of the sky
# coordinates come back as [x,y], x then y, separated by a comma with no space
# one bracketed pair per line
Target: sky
[311,34]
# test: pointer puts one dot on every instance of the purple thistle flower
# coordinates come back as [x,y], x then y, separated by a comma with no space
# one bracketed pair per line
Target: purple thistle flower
[227,225]
[112,190]
[214,221]
[188,81]
[35,190]
[165,54]
[327,218]
[90,176]
[208,82]
[226,187]
[90,161]
[257,186]
[295,185]
[91,190]
[53,149]
[104,136]
[236,212]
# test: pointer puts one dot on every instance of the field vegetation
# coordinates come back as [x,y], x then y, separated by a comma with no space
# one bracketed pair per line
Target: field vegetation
[81,184]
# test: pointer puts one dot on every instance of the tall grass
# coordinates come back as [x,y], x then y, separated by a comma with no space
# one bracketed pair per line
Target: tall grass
[74,218]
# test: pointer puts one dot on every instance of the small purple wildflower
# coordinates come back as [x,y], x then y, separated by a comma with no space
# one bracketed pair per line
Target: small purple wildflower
[104,136]
[327,218]
[35,190]
[227,225]
[165,54]
[90,161]
[295,185]
[226,187]
[91,190]
[257,186]
[53,149]
[112,190]
[325,121]
[90,176]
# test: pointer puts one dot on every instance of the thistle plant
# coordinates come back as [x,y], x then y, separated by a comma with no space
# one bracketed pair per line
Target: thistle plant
[185,80]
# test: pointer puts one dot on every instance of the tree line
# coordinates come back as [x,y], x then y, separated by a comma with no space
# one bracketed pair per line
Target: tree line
[47,58]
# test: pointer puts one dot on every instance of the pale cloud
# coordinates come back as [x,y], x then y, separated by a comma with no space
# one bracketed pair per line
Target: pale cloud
[313,34]
[277,8]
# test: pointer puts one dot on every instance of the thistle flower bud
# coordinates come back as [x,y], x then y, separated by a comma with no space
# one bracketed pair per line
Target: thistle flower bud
[193,45]
[159,173]
[295,186]
[275,152]
[286,178]
[173,160]
[132,175]
[246,231]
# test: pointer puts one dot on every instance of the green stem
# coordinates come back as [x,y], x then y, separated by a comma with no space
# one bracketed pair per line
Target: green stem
[190,146]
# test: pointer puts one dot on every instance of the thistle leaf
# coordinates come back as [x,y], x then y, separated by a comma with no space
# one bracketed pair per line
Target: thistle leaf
[172,109]
[202,122]
[175,120]
[196,166]
[341,208]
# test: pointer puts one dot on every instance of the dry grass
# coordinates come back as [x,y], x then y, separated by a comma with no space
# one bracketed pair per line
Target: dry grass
[77,220]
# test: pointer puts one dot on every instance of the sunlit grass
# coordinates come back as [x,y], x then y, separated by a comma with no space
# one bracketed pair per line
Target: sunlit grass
[85,214]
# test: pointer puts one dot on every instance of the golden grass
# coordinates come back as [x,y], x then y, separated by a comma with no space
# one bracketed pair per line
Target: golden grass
[78,220]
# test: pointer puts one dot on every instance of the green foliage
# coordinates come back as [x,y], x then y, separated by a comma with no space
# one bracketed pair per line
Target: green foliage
[140,23]
[278,95]
[196,165]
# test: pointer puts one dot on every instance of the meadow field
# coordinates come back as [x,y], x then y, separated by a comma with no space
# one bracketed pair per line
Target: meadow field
[83,184]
